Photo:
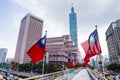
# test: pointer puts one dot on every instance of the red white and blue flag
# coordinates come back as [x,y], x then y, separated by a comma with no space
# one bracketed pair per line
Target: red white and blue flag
[37,51]
[91,46]
[85,46]
[70,62]
[94,45]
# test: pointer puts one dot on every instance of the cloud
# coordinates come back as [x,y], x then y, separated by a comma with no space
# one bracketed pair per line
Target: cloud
[9,45]
[3,43]
[32,5]
[26,3]
[17,19]
[89,13]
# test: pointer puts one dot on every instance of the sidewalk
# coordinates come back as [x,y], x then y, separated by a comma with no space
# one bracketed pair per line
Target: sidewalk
[82,75]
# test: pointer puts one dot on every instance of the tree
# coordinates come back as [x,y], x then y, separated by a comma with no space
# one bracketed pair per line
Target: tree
[113,67]
[100,63]
[37,68]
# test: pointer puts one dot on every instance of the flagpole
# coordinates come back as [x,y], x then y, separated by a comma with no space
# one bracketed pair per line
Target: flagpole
[32,69]
[43,68]
[43,65]
[17,68]
[43,60]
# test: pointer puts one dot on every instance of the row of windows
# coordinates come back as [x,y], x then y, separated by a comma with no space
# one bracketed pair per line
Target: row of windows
[36,19]
[54,43]
[58,56]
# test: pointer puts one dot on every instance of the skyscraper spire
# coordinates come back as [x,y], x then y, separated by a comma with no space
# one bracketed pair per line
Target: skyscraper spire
[72,9]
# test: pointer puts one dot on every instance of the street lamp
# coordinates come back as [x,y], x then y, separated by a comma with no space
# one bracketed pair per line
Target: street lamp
[74,59]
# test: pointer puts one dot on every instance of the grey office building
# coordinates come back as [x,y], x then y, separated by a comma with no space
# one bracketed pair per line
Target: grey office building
[113,41]
[3,53]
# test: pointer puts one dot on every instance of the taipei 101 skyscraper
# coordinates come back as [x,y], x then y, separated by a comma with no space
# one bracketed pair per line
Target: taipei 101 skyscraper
[73,25]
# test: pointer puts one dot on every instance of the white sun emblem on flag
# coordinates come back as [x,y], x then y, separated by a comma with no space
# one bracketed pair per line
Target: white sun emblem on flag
[43,41]
[92,40]
[69,57]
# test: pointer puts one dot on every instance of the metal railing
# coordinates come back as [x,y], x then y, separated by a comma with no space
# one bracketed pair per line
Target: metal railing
[54,76]
[94,75]
[69,75]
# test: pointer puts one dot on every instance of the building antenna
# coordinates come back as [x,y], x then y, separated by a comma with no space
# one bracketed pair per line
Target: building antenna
[72,4]
[72,9]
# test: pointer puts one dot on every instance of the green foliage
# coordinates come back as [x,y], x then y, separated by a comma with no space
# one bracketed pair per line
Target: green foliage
[113,67]
[100,62]
[91,67]
[4,65]
[37,68]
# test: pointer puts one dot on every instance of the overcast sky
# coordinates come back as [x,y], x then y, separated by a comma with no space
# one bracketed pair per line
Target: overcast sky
[55,14]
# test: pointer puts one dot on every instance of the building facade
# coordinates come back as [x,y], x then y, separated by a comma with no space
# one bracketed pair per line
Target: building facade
[30,32]
[99,61]
[113,41]
[59,47]
[9,60]
[73,25]
[3,53]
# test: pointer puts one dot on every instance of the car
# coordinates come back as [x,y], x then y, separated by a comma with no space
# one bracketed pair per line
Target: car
[117,77]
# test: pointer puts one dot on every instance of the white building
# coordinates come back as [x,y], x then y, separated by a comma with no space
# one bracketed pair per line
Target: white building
[99,61]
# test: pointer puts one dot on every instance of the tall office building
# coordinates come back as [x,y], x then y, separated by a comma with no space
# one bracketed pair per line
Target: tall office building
[30,32]
[73,25]
[113,41]
[3,53]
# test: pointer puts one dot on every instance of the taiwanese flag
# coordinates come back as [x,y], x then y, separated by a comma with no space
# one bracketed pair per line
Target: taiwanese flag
[94,45]
[85,46]
[37,51]
[86,60]
[70,64]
